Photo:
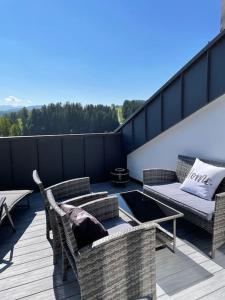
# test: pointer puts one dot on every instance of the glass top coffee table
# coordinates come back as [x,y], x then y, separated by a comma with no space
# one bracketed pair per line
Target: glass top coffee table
[142,208]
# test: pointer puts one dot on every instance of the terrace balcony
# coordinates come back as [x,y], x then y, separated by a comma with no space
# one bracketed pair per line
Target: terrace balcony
[27,270]
[186,116]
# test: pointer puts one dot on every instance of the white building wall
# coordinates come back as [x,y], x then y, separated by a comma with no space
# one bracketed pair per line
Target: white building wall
[202,134]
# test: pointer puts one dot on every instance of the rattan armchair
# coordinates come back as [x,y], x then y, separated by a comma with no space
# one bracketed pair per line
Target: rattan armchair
[77,191]
[119,266]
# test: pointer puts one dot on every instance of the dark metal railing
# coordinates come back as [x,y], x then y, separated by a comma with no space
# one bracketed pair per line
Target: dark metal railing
[58,157]
[199,82]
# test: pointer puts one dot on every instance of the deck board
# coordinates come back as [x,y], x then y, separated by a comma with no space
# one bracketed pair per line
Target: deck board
[27,270]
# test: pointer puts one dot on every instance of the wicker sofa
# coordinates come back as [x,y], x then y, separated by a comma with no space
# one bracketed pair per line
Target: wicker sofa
[119,266]
[209,215]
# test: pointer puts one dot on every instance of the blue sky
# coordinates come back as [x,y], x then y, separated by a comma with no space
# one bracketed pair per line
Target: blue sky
[97,51]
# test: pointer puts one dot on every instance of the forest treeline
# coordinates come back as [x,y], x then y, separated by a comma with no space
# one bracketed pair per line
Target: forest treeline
[66,118]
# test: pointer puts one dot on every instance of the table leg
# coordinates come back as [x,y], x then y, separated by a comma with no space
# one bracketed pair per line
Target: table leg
[174,235]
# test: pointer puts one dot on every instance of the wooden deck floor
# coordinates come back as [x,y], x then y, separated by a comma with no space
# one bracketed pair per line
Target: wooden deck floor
[26,269]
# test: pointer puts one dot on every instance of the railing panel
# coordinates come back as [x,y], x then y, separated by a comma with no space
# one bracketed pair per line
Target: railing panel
[24,161]
[95,157]
[113,154]
[195,86]
[127,136]
[139,129]
[73,156]
[200,81]
[6,179]
[50,159]
[154,116]
[217,70]
[58,158]
[172,101]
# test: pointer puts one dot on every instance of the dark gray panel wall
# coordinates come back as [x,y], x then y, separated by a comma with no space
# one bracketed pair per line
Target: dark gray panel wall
[113,154]
[73,156]
[127,137]
[95,157]
[200,81]
[139,129]
[24,161]
[154,118]
[172,104]
[217,70]
[6,178]
[50,159]
[58,158]
[195,86]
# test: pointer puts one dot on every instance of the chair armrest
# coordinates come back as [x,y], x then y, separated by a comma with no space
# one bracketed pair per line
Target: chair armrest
[103,209]
[125,260]
[157,176]
[70,188]
[80,200]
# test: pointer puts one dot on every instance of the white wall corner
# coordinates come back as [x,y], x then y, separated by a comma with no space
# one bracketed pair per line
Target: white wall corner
[200,135]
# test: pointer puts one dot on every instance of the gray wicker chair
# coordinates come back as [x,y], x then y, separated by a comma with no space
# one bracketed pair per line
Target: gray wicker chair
[76,191]
[119,266]
[216,225]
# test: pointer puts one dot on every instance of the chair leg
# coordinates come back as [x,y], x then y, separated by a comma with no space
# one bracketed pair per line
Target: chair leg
[9,217]
[56,251]
[55,259]
[212,253]
[48,228]
[47,234]
[64,266]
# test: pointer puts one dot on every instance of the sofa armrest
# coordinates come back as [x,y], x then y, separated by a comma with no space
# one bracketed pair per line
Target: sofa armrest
[219,221]
[80,200]
[70,188]
[157,176]
[103,209]
[124,259]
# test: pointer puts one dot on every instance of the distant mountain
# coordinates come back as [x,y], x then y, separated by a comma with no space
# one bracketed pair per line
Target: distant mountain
[5,109]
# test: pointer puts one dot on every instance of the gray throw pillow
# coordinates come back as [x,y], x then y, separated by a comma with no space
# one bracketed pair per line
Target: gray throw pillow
[86,228]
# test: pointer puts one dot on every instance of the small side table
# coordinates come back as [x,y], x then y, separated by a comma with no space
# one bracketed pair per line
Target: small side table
[120,176]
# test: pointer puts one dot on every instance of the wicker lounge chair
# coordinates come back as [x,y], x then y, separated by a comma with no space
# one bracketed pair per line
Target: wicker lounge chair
[209,215]
[3,206]
[76,190]
[119,266]
[8,200]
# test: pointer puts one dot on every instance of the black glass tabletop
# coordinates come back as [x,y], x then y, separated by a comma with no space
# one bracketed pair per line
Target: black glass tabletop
[145,208]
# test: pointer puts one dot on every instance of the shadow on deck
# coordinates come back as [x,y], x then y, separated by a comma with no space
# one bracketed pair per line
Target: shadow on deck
[26,269]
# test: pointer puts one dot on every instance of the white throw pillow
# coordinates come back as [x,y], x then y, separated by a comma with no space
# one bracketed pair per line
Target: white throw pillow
[203,179]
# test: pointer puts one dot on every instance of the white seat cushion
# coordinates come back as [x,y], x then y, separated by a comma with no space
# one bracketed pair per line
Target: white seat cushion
[173,194]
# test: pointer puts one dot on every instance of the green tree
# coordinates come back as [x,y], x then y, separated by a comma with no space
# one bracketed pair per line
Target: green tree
[4,126]
[63,118]
[130,106]
[16,128]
